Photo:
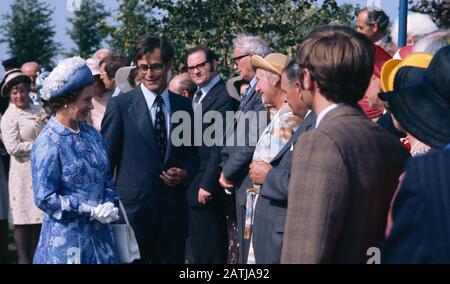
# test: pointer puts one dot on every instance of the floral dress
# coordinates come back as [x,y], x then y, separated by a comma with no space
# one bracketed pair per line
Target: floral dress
[70,174]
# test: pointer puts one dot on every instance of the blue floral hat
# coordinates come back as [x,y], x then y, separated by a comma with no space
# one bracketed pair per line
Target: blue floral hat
[71,74]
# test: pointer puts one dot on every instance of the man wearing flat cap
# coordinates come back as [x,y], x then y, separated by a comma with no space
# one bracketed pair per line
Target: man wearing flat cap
[273,139]
[345,171]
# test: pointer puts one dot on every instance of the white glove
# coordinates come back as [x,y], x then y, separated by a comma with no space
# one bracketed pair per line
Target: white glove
[105,213]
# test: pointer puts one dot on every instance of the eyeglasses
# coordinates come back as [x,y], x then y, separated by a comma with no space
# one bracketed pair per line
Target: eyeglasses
[156,67]
[198,66]
[237,58]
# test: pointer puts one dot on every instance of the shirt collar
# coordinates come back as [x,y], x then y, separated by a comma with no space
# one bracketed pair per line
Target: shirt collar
[150,96]
[116,92]
[324,112]
[206,88]
[253,82]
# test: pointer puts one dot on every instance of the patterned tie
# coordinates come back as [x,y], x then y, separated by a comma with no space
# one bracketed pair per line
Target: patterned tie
[197,96]
[160,127]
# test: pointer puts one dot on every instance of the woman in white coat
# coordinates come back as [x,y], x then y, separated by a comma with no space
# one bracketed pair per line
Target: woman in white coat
[19,127]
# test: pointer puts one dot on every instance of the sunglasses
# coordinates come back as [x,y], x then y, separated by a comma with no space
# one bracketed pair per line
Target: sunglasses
[237,58]
[156,67]
[198,66]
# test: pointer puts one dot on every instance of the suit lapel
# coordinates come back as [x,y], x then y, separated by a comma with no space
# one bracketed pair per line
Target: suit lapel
[141,116]
[306,125]
[252,92]
[211,97]
[174,107]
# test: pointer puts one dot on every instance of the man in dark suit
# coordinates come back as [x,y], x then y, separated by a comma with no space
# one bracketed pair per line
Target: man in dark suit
[206,198]
[236,157]
[270,211]
[151,172]
[421,230]
[345,171]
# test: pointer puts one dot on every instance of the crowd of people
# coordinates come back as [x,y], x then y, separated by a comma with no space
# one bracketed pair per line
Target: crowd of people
[329,154]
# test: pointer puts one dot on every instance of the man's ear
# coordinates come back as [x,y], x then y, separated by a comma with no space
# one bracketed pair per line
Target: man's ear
[374,27]
[308,80]
[213,65]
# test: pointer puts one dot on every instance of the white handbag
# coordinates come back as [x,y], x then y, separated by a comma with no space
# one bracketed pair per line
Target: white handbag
[126,243]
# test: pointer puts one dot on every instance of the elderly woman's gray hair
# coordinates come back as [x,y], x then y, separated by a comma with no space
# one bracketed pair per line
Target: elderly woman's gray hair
[432,42]
[251,44]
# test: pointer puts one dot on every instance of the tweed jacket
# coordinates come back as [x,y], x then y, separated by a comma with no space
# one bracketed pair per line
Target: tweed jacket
[344,174]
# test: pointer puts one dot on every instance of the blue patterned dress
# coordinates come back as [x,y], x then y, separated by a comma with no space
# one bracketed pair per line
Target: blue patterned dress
[71,173]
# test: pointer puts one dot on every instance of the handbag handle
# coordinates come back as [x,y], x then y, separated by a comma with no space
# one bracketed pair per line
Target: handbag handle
[122,209]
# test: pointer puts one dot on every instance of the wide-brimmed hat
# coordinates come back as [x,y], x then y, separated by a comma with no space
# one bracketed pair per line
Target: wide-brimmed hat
[71,74]
[423,109]
[390,68]
[274,62]
[12,78]
[122,76]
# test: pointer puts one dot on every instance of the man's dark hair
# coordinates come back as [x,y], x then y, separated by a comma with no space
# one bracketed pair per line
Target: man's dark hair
[340,60]
[376,15]
[292,71]
[148,44]
[113,63]
[209,54]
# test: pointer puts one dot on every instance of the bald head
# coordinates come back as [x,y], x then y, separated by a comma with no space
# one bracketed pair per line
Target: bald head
[102,53]
[182,84]
[31,69]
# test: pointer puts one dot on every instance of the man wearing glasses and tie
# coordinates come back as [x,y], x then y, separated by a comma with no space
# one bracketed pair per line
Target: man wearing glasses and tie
[206,199]
[237,158]
[151,174]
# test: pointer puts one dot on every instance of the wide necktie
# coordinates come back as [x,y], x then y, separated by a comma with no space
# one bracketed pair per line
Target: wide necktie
[160,128]
[197,96]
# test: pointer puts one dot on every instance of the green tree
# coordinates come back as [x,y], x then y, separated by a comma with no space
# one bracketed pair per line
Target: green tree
[28,32]
[136,18]
[89,27]
[439,10]
[283,24]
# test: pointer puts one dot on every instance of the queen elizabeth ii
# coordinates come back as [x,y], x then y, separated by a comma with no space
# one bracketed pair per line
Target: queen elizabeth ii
[71,180]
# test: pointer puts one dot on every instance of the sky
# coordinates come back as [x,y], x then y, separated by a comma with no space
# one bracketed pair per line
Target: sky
[62,12]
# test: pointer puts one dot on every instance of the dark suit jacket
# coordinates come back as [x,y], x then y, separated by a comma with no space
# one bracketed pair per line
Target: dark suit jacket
[421,210]
[208,173]
[271,207]
[155,211]
[236,159]
[344,174]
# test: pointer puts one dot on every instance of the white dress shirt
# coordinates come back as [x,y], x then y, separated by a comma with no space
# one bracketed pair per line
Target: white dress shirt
[151,105]
[325,112]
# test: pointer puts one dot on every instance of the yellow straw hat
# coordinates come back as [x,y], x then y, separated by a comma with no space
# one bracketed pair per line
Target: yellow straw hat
[274,62]
[390,68]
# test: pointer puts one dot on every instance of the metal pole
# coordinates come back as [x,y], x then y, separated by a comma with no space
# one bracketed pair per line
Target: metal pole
[402,22]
